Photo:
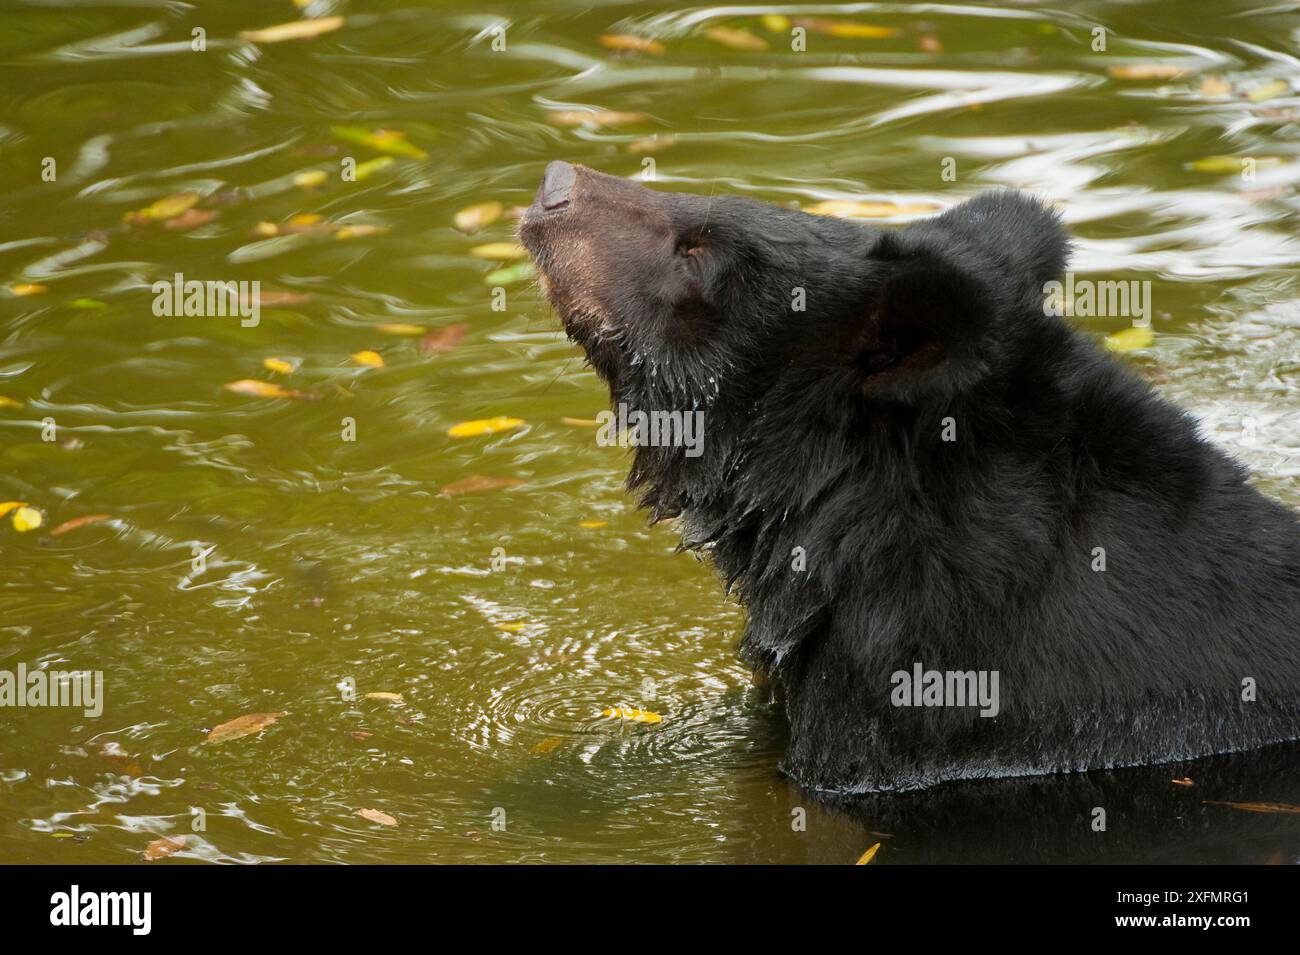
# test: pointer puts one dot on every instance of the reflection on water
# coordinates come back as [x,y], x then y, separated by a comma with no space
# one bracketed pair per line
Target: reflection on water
[254,560]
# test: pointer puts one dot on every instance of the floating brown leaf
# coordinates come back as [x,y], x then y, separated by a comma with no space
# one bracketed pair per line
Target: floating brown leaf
[584,117]
[1256,806]
[1146,71]
[241,726]
[637,44]
[78,522]
[361,735]
[189,219]
[374,815]
[162,848]
[477,483]
[736,38]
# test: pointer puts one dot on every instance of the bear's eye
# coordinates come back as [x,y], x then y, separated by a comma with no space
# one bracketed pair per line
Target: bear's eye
[689,247]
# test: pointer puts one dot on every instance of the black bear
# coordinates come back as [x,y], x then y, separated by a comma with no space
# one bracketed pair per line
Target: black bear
[969,542]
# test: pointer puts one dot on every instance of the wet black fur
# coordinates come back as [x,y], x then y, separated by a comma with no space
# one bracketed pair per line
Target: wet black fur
[823,432]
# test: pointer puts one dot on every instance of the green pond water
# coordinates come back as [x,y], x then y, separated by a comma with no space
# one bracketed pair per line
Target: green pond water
[509,618]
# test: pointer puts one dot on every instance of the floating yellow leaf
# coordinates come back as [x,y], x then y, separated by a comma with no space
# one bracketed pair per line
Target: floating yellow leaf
[1146,71]
[477,483]
[581,422]
[162,848]
[293,30]
[9,402]
[7,506]
[868,855]
[384,695]
[499,250]
[511,626]
[1270,90]
[360,231]
[550,744]
[27,519]
[371,359]
[626,41]
[400,328]
[1215,86]
[482,426]
[584,117]
[310,178]
[242,726]
[473,218]
[374,815]
[847,29]
[278,365]
[854,209]
[592,525]
[1282,807]
[634,715]
[28,288]
[265,389]
[166,208]
[79,522]
[736,38]
[1130,339]
[775,23]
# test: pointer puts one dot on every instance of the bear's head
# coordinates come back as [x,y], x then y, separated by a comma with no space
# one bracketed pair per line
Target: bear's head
[791,332]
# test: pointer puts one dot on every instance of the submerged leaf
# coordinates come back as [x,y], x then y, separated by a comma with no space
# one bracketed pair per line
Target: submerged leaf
[23,289]
[550,744]
[847,29]
[473,218]
[242,726]
[443,339]
[391,141]
[371,359]
[400,328]
[482,426]
[477,483]
[519,272]
[166,208]
[278,365]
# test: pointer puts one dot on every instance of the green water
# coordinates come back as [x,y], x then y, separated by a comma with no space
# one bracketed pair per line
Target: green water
[506,625]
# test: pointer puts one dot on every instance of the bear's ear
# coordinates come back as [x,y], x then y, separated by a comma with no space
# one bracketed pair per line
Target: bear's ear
[926,318]
[950,297]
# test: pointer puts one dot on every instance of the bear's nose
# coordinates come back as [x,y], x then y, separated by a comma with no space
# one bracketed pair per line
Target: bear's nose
[557,182]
